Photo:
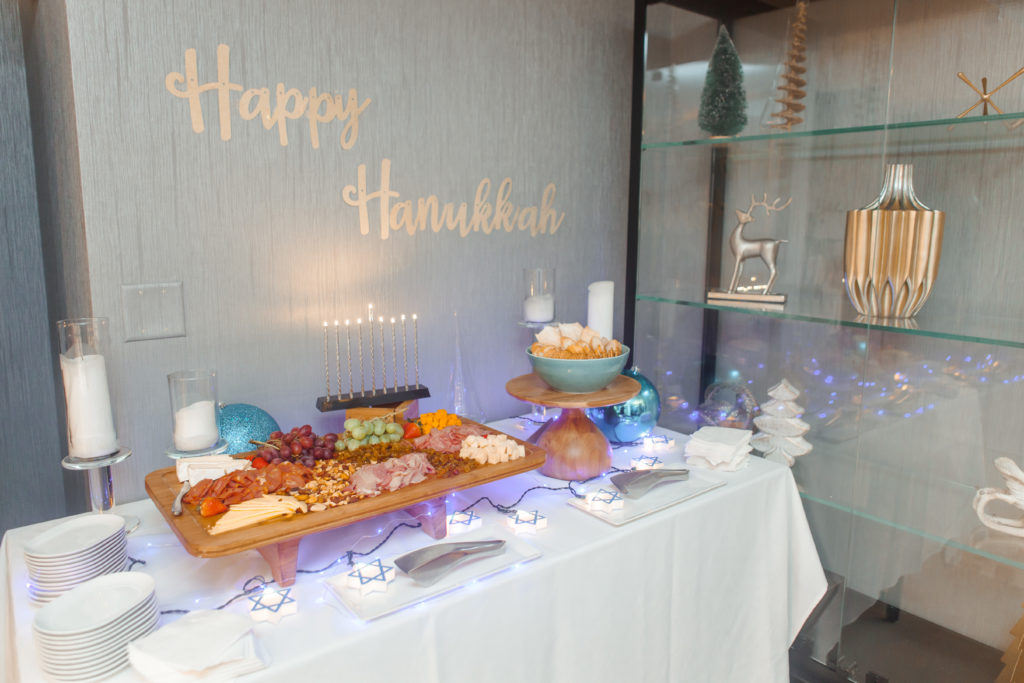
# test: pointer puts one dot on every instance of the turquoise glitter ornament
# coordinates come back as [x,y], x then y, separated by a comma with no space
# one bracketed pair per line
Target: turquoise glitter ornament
[632,420]
[240,422]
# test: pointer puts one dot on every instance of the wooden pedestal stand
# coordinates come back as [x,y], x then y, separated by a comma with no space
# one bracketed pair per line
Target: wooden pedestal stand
[576,448]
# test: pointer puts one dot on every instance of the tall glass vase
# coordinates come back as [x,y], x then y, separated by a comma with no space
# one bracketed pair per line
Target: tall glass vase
[892,251]
[90,415]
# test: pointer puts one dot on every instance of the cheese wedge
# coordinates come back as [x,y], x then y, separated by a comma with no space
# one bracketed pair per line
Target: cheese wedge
[256,510]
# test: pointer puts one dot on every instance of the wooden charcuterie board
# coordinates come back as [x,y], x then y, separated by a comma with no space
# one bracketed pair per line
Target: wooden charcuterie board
[278,539]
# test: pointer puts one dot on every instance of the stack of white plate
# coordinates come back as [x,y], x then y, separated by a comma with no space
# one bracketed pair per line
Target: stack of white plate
[84,634]
[77,550]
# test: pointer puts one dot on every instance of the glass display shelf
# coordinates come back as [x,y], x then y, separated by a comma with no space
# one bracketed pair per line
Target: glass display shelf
[970,132]
[963,326]
[967,534]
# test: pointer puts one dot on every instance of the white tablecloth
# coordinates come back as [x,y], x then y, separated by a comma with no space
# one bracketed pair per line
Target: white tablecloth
[712,589]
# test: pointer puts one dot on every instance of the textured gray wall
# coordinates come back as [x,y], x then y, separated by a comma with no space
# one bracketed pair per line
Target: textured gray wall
[258,232]
[30,445]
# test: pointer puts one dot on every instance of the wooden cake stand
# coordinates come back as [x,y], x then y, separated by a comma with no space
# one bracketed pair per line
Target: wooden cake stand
[576,448]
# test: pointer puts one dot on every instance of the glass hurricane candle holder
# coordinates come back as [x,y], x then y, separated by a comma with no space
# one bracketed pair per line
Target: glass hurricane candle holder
[539,304]
[193,409]
[87,396]
[92,435]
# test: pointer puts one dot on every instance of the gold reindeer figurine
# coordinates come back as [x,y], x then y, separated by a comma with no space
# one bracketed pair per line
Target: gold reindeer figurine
[743,248]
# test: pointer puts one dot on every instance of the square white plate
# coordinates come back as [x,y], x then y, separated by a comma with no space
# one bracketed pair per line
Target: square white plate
[404,592]
[660,497]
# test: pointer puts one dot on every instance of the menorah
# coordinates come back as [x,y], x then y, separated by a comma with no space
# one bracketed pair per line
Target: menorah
[372,395]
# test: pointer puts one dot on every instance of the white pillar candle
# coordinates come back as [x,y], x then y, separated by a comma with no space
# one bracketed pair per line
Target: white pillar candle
[195,426]
[91,431]
[600,307]
[539,308]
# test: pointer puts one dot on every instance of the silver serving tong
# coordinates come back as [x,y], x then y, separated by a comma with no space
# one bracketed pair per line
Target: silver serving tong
[638,482]
[427,565]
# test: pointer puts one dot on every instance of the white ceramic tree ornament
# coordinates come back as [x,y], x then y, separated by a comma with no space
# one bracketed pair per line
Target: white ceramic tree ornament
[781,430]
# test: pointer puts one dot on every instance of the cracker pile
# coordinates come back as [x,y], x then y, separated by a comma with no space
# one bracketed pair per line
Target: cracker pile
[573,341]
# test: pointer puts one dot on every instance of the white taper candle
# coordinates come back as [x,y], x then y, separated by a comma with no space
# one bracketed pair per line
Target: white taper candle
[394,353]
[362,372]
[373,364]
[337,354]
[348,354]
[416,347]
[327,364]
[383,360]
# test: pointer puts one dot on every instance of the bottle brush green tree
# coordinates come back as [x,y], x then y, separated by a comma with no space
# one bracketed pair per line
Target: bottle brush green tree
[723,103]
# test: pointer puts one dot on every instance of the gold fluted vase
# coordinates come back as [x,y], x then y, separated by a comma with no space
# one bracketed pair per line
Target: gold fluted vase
[893,247]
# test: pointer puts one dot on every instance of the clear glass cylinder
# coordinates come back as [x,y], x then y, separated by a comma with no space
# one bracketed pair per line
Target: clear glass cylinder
[539,303]
[193,409]
[84,343]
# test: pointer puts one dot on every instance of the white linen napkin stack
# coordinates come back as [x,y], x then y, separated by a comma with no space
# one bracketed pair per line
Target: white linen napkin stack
[719,448]
[204,645]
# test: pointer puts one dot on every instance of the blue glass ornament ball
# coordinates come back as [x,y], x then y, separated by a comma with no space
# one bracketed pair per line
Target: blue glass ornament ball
[240,422]
[632,420]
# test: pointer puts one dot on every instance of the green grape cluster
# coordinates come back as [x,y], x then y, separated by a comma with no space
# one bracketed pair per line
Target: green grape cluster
[362,432]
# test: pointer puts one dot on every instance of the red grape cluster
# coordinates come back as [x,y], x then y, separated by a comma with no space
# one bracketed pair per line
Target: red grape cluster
[299,445]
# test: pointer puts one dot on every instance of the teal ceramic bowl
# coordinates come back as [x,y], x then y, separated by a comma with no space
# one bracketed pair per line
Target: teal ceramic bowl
[578,376]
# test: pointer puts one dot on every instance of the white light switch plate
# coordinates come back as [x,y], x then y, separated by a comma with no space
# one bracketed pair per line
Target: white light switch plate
[154,310]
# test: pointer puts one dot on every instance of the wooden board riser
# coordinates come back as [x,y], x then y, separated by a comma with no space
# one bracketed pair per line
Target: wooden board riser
[277,540]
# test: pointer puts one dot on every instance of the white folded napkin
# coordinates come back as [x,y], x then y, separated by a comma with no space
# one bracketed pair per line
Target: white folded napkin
[725,436]
[718,448]
[204,645]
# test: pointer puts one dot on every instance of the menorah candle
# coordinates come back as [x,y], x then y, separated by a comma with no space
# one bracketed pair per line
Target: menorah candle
[373,363]
[337,354]
[362,373]
[327,365]
[405,354]
[348,355]
[416,347]
[383,360]
[394,353]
